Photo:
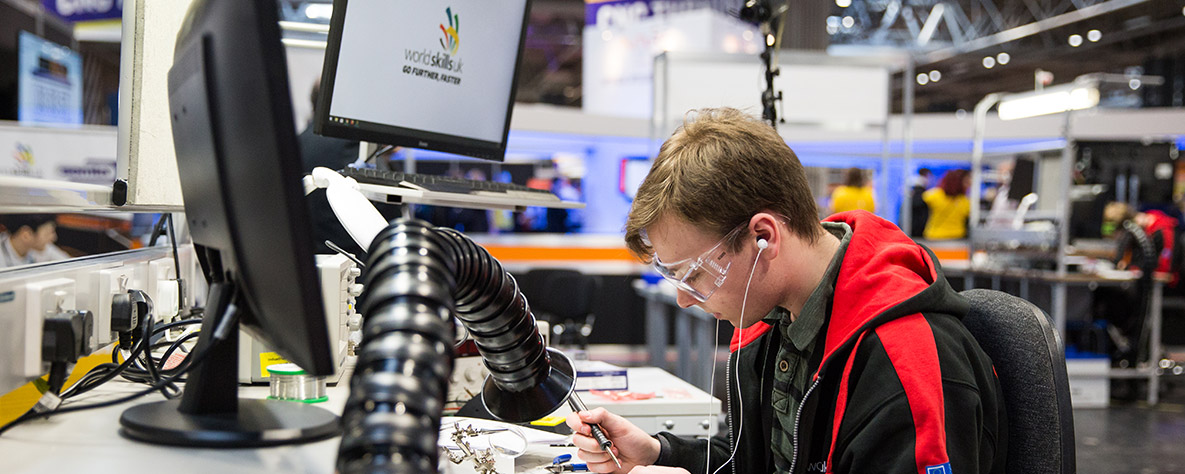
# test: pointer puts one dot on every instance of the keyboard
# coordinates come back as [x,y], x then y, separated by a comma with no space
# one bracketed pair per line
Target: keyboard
[444,184]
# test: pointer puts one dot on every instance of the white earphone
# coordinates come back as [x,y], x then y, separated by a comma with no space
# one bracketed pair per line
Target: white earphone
[762,244]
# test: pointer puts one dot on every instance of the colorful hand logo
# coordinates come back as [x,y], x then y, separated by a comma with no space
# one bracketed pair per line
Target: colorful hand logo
[451,41]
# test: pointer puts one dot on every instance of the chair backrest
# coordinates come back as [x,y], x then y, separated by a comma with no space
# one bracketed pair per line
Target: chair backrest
[564,294]
[1031,364]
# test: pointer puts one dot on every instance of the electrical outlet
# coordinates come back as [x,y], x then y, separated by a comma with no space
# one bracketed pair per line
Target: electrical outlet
[162,288]
[42,298]
[109,283]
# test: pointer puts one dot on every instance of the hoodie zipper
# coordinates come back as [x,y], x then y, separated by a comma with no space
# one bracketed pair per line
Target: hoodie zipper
[797,418]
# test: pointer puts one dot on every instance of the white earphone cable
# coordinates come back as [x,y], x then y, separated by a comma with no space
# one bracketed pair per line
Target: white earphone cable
[736,370]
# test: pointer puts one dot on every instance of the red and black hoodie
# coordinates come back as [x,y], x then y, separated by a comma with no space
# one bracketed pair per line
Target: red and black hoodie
[898,385]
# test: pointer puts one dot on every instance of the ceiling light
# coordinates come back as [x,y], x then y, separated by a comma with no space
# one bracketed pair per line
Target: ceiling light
[1134,83]
[1094,35]
[747,35]
[843,3]
[1050,100]
[935,76]
[848,22]
[989,62]
[322,11]
[923,79]
[1003,58]
[1075,40]
[769,40]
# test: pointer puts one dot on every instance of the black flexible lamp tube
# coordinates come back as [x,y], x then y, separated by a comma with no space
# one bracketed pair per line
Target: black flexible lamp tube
[420,278]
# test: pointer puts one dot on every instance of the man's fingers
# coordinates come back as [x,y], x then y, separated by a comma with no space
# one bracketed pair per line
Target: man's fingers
[585,443]
[573,421]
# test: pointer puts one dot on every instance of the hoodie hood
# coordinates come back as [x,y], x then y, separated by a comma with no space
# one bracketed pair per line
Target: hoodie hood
[882,269]
[884,275]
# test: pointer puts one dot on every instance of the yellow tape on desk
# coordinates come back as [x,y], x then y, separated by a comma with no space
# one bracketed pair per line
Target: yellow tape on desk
[15,403]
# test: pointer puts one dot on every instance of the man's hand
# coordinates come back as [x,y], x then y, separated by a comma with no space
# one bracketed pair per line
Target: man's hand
[632,446]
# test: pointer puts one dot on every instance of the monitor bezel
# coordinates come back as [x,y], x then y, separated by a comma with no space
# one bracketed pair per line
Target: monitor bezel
[403,136]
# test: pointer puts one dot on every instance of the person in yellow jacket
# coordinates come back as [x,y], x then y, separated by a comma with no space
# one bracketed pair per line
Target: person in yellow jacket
[949,207]
[854,194]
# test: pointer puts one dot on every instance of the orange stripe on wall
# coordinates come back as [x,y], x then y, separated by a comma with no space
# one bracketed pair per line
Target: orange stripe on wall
[507,253]
[951,254]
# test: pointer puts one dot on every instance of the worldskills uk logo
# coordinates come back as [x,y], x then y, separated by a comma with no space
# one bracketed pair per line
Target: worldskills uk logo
[23,155]
[451,41]
[437,65]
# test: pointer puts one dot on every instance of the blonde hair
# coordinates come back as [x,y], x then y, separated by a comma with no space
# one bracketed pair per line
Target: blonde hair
[1116,212]
[716,171]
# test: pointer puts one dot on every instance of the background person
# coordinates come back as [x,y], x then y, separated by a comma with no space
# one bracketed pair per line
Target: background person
[949,207]
[855,193]
[29,239]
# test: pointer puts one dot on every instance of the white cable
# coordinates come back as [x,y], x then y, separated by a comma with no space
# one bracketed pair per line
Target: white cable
[711,386]
[737,369]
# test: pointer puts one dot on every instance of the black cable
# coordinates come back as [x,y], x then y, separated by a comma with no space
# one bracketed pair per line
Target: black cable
[218,337]
[336,248]
[157,229]
[83,386]
[73,408]
[174,347]
[176,262]
[169,390]
[58,372]
[103,373]
[378,151]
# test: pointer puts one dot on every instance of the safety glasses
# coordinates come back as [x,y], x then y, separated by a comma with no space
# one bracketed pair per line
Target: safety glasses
[701,276]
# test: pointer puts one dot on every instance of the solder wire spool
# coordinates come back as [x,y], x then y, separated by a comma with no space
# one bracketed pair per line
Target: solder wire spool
[290,382]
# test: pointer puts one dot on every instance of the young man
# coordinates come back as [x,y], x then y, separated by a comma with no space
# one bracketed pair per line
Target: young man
[849,355]
[25,236]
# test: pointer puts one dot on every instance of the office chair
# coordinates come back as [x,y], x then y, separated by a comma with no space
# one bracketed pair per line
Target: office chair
[1030,362]
[565,297]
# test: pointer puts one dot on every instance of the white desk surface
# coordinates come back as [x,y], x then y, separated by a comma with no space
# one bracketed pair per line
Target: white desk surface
[89,441]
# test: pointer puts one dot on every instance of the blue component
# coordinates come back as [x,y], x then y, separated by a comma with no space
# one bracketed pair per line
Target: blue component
[562,459]
[939,469]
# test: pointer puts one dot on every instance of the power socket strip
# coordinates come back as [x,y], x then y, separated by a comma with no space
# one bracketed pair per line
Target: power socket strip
[28,294]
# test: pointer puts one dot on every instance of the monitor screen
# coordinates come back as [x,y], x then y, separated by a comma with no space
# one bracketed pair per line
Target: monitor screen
[432,74]
[49,82]
[1021,183]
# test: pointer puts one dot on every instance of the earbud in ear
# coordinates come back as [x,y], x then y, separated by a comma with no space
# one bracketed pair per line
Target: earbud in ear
[762,243]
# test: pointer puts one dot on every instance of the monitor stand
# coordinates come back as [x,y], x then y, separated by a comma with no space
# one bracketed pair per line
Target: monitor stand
[210,414]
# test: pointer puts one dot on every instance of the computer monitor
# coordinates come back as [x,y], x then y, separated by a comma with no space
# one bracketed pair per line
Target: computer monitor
[49,82]
[423,73]
[240,177]
[1021,184]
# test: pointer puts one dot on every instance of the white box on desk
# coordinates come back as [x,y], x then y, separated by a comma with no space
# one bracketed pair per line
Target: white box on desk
[1090,386]
[679,407]
[596,375]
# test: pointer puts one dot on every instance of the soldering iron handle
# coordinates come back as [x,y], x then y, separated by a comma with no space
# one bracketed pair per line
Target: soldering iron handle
[598,434]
